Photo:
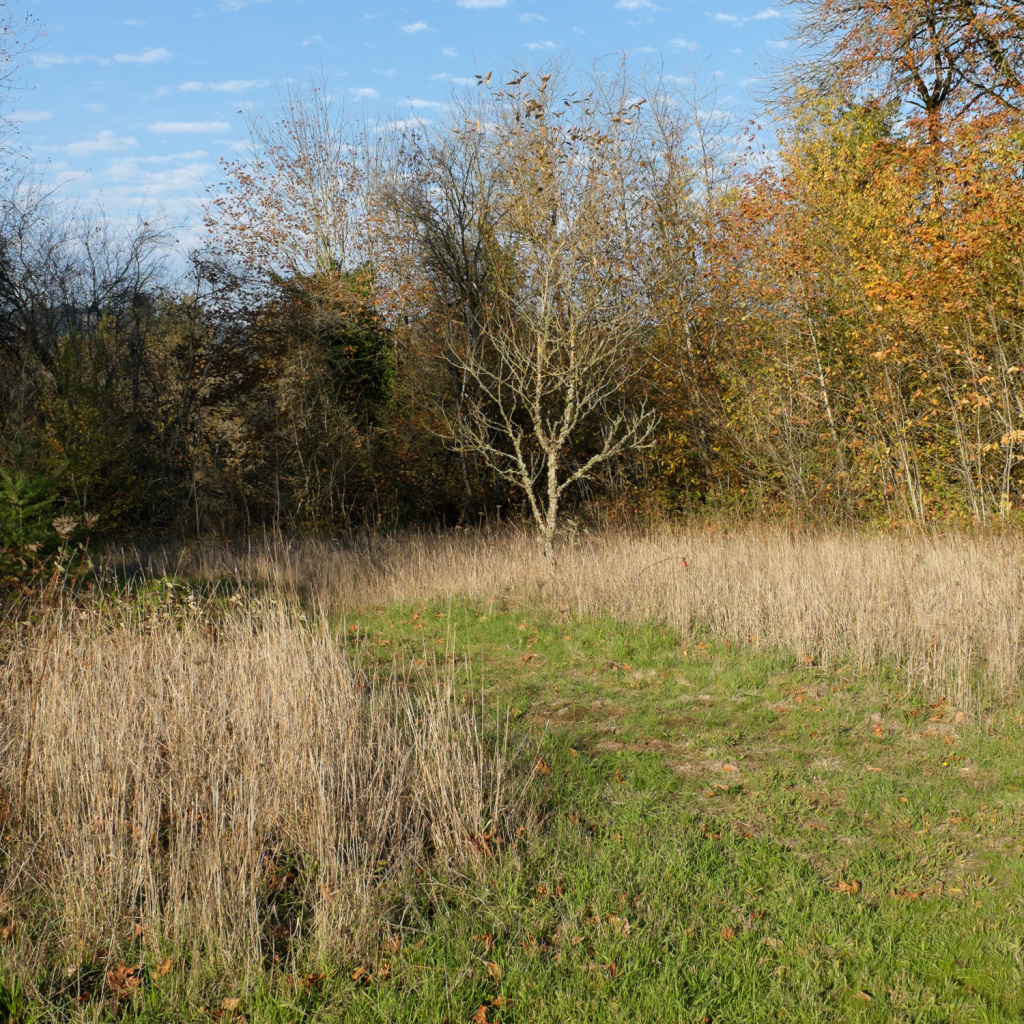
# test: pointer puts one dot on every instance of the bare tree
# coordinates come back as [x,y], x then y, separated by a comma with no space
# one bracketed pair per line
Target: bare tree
[289,209]
[566,323]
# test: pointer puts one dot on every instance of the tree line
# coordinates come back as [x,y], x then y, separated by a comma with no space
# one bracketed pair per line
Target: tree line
[576,295]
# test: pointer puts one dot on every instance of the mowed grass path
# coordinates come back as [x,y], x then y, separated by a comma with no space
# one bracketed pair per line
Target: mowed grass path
[723,836]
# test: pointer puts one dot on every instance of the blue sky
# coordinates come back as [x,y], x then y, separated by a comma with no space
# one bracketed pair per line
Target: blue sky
[133,103]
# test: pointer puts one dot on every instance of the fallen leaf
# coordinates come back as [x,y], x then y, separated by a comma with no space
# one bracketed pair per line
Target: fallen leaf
[878,730]
[165,967]
[493,970]
[542,767]
[487,941]
[122,981]
[729,768]
[871,768]
[500,1001]
[6,932]
[138,931]
[480,1017]
[862,996]
[230,1004]
[728,934]
[361,976]
[851,887]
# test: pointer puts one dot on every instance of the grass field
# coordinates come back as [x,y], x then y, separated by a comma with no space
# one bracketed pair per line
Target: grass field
[636,822]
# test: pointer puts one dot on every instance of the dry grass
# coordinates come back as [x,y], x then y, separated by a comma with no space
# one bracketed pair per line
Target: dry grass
[235,789]
[947,609]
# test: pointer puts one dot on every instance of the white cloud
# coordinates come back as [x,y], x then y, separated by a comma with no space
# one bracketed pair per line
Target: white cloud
[177,127]
[312,39]
[150,56]
[238,84]
[449,52]
[416,26]
[403,123]
[735,19]
[103,142]
[545,44]
[454,79]
[49,60]
[24,116]
[425,104]
[636,5]
[479,5]
[235,85]
[237,5]
[365,93]
[95,108]
[715,114]
[132,21]
[130,178]
[682,44]
[531,16]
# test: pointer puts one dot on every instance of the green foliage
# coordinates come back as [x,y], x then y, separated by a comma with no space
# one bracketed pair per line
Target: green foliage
[13,1009]
[26,511]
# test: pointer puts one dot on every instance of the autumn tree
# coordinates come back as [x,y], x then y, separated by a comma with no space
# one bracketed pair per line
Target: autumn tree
[936,55]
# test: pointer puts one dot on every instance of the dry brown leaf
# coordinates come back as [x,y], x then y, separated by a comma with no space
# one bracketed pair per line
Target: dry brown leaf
[493,970]
[542,767]
[852,887]
[728,934]
[480,1017]
[862,996]
[165,967]
[230,1004]
[123,980]
[871,768]
[361,976]
[729,768]
[487,941]
[7,932]
[878,730]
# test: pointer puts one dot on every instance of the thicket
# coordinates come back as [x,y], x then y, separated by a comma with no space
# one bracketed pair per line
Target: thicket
[579,294]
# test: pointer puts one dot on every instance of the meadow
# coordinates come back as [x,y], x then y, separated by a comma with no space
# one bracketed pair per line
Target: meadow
[706,774]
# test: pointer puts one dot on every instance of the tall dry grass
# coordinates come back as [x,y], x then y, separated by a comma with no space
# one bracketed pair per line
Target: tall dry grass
[945,609]
[231,786]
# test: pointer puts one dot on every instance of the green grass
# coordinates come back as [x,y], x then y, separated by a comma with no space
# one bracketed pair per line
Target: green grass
[723,835]
[785,842]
